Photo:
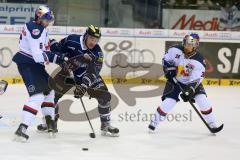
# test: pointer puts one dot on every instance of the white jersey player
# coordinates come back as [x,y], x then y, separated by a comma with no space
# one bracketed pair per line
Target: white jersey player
[186,64]
[34,53]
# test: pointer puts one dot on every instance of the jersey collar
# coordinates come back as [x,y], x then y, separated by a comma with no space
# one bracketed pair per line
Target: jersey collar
[83,47]
[190,56]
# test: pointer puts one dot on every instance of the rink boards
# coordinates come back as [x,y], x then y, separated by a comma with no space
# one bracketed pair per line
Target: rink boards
[135,55]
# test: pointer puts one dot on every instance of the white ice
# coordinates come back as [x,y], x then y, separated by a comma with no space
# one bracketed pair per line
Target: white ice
[189,140]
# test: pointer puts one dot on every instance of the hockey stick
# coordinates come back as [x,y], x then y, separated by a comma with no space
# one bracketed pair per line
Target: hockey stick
[212,130]
[92,135]
[3,86]
[70,81]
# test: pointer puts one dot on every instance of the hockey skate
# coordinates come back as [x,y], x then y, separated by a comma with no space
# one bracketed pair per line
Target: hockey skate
[152,126]
[43,127]
[108,130]
[50,126]
[20,134]
[156,118]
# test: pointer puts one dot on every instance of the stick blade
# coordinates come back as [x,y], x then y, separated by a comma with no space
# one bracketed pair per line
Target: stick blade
[92,135]
[215,130]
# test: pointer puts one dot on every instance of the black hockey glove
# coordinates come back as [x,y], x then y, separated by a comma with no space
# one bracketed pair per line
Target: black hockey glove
[169,69]
[80,91]
[188,95]
[54,46]
[87,80]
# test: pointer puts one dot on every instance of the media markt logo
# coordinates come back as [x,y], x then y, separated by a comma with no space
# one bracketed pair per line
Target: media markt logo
[193,23]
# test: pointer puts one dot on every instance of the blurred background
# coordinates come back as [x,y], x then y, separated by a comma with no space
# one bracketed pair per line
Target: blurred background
[167,14]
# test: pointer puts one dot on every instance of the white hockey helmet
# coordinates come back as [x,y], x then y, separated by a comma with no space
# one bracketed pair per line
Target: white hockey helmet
[44,13]
[192,39]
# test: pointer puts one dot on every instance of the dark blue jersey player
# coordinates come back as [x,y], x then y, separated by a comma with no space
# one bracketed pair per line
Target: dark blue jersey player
[87,75]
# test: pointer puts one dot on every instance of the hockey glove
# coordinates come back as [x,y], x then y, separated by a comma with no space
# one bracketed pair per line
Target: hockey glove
[188,95]
[54,46]
[89,58]
[169,69]
[80,91]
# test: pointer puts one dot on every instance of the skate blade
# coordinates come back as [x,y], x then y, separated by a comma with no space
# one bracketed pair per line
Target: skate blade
[108,134]
[19,139]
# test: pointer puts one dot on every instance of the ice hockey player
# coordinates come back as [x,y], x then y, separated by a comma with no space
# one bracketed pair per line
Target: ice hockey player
[186,64]
[87,75]
[33,55]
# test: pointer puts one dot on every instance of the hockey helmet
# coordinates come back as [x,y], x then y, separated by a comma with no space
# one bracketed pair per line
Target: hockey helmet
[192,39]
[93,31]
[44,13]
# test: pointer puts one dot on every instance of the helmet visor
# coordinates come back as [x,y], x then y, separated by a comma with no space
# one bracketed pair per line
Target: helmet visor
[47,18]
[190,41]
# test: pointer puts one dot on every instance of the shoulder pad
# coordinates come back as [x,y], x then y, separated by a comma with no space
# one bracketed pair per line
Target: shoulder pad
[74,37]
[34,29]
[174,50]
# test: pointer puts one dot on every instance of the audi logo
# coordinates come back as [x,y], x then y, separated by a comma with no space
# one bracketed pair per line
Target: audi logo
[135,57]
[5,57]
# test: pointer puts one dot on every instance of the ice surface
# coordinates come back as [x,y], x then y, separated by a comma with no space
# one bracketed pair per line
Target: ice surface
[183,138]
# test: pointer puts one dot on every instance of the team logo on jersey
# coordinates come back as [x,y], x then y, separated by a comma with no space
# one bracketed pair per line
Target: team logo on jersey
[100,57]
[189,68]
[35,32]
[181,71]
[177,56]
[185,70]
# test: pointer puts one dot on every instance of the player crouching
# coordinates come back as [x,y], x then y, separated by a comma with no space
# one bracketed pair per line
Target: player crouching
[87,75]
[184,63]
